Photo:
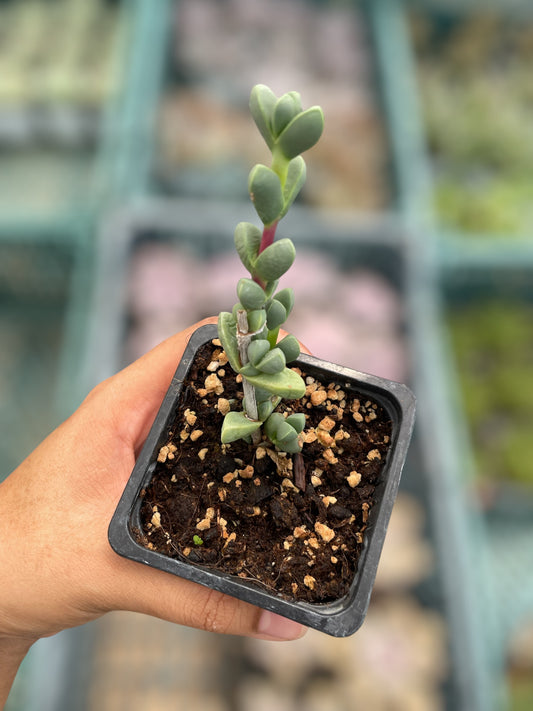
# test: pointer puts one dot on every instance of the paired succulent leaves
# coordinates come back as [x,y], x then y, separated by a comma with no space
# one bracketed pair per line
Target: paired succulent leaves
[288,131]
[249,334]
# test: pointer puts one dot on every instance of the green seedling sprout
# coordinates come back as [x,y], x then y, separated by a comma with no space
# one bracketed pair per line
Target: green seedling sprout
[249,334]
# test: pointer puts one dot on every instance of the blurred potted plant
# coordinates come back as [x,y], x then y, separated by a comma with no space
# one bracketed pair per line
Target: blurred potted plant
[496,379]
[268,474]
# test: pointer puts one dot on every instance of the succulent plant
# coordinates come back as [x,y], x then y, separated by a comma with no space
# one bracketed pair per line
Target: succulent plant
[249,333]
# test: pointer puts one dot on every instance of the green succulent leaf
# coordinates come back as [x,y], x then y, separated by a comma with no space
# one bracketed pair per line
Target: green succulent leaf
[270,288]
[287,436]
[249,370]
[285,433]
[296,175]
[247,242]
[257,350]
[291,446]
[273,362]
[262,103]
[275,260]
[250,294]
[256,320]
[281,433]
[264,409]
[227,332]
[272,424]
[236,426]
[276,315]
[265,191]
[296,421]
[286,108]
[262,395]
[234,311]
[302,132]
[197,541]
[286,297]
[246,408]
[286,384]
[290,347]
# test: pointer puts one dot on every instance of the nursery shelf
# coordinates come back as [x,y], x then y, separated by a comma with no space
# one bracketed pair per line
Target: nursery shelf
[98,211]
[469,63]
[497,299]
[70,134]
[197,87]
[475,263]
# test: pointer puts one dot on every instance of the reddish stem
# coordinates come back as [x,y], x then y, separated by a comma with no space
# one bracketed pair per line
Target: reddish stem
[268,236]
[266,240]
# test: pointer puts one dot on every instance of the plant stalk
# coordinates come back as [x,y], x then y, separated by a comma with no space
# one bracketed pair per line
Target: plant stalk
[267,239]
[244,338]
[269,233]
[280,165]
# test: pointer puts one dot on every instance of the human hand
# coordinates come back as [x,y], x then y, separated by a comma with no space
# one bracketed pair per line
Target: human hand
[56,565]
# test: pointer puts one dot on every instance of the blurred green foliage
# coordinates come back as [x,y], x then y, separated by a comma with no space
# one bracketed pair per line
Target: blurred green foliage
[494,351]
[475,78]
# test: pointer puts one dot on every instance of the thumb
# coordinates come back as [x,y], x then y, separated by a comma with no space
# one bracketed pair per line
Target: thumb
[153,592]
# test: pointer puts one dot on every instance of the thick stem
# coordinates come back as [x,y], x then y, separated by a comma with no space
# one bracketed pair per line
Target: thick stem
[273,337]
[269,232]
[280,165]
[243,341]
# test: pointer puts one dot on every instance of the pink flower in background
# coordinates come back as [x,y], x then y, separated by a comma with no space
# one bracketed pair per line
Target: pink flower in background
[368,297]
[221,275]
[314,278]
[334,336]
[162,278]
[149,332]
[351,318]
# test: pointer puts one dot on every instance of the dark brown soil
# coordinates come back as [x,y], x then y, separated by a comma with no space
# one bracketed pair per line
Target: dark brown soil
[236,507]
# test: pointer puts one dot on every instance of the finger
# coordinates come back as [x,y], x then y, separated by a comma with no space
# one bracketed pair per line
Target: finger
[186,603]
[140,388]
[129,401]
[155,369]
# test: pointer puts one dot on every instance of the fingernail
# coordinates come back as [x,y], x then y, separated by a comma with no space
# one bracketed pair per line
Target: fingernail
[277,627]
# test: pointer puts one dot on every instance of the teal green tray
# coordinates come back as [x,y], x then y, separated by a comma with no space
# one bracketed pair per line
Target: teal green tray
[128,144]
[506,514]
[56,177]
[138,172]
[502,174]
[459,530]
[509,516]
[34,293]
[509,6]
[45,282]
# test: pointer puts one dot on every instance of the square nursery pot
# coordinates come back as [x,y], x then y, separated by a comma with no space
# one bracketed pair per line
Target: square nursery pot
[318,537]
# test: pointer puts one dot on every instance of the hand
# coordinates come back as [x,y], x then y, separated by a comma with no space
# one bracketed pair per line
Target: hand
[56,565]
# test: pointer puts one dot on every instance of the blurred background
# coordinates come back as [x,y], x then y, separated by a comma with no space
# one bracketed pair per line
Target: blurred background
[125,144]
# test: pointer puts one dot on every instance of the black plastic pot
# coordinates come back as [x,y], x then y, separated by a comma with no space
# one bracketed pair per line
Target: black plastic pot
[340,618]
